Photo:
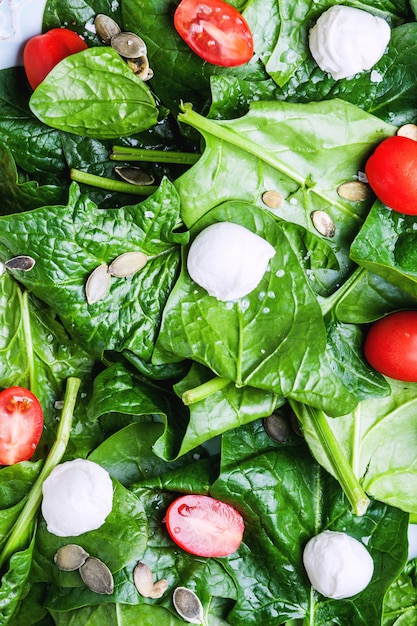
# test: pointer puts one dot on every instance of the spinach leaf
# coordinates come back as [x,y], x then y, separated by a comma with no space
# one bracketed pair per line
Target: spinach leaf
[370,297]
[68,242]
[35,147]
[275,339]
[119,397]
[23,196]
[13,583]
[401,598]
[30,610]
[22,477]
[386,246]
[302,151]
[366,436]
[95,94]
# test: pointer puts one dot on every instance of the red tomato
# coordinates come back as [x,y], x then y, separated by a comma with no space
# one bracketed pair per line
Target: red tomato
[392,173]
[215,31]
[21,424]
[204,526]
[391,346]
[42,52]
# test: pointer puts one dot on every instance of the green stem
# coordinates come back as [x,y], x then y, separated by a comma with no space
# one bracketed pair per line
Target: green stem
[27,330]
[110,184]
[225,133]
[25,522]
[316,421]
[327,304]
[121,153]
[191,396]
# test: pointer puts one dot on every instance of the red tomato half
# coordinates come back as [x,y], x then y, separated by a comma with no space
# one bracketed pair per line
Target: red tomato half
[42,52]
[204,526]
[392,173]
[215,31]
[391,346]
[21,424]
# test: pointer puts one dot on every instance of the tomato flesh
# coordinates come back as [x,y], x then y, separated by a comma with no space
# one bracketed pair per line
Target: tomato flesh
[204,526]
[21,425]
[392,173]
[42,52]
[214,30]
[391,346]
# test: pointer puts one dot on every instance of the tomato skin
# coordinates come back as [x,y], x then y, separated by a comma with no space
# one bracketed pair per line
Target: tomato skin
[21,425]
[42,52]
[392,173]
[214,30]
[204,526]
[391,346]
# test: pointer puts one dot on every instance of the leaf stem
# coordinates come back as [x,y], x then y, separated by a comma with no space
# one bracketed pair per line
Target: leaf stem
[110,184]
[191,396]
[122,153]
[316,421]
[24,298]
[328,303]
[22,529]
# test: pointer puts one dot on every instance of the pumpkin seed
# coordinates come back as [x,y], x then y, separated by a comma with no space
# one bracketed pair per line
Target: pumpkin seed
[70,557]
[277,427]
[408,130]
[353,190]
[127,264]
[272,199]
[140,66]
[323,223]
[159,588]
[106,28]
[22,262]
[149,75]
[134,175]
[98,284]
[143,579]
[97,576]
[188,605]
[128,45]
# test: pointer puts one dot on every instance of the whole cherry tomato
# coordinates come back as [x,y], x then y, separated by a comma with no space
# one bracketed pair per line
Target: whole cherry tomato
[204,526]
[391,346]
[392,173]
[42,52]
[215,31]
[21,425]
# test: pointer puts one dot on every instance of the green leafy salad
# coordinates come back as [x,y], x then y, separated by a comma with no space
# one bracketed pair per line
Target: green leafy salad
[138,369]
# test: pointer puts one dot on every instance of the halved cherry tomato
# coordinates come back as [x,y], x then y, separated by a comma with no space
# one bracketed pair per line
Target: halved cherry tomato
[42,52]
[392,173]
[391,346]
[214,30]
[21,424]
[204,526]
